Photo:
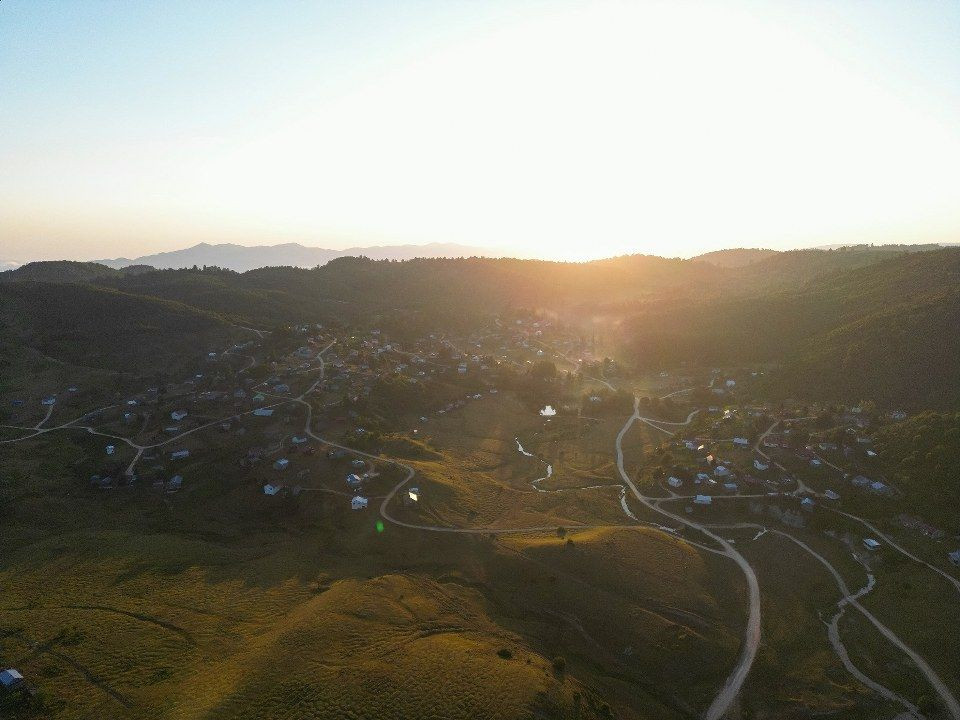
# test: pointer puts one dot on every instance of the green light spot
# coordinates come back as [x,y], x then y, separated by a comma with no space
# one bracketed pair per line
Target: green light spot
[379,526]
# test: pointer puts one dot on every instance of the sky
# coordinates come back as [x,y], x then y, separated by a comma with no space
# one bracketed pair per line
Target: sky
[542,129]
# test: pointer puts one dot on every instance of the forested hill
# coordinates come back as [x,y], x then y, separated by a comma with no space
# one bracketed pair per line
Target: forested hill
[95,327]
[889,331]
[68,271]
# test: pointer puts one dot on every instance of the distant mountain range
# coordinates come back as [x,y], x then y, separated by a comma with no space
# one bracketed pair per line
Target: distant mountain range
[242,258]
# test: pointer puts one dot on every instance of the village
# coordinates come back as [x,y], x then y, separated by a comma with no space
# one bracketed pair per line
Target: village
[309,424]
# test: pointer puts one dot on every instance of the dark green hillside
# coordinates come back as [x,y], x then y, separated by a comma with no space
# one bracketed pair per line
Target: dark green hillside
[62,271]
[889,331]
[101,328]
[920,455]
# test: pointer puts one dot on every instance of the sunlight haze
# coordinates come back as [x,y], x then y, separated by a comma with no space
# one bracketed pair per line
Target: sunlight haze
[555,130]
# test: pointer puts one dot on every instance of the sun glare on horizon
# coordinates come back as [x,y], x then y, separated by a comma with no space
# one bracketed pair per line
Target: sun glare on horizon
[557,131]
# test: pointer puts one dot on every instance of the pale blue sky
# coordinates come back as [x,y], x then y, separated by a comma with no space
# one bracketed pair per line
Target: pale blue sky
[548,128]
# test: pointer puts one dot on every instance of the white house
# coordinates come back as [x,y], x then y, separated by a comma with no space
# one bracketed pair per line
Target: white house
[674,482]
[281,464]
[359,503]
[703,500]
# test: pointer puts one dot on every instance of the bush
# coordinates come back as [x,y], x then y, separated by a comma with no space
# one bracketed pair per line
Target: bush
[504,653]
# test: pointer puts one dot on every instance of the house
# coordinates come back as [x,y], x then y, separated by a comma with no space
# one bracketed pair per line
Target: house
[703,500]
[955,557]
[870,544]
[281,464]
[10,679]
[462,368]
[731,383]
[880,488]
[270,489]
[298,440]
[178,415]
[180,455]
[354,480]
[281,388]
[861,481]
[358,463]
[49,400]
[741,442]
[730,486]
[815,462]
[263,412]
[359,503]
[760,465]
[674,482]
[721,471]
[110,449]
[174,483]
[413,494]
[831,495]
[807,504]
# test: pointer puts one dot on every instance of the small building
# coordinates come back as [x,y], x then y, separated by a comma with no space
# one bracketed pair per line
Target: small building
[721,471]
[180,455]
[263,412]
[760,465]
[955,557]
[354,480]
[831,495]
[871,544]
[49,401]
[178,415]
[730,486]
[270,489]
[413,495]
[298,440]
[807,504]
[674,482]
[359,503]
[10,679]
[281,464]
[741,442]
[174,483]
[111,449]
[703,500]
